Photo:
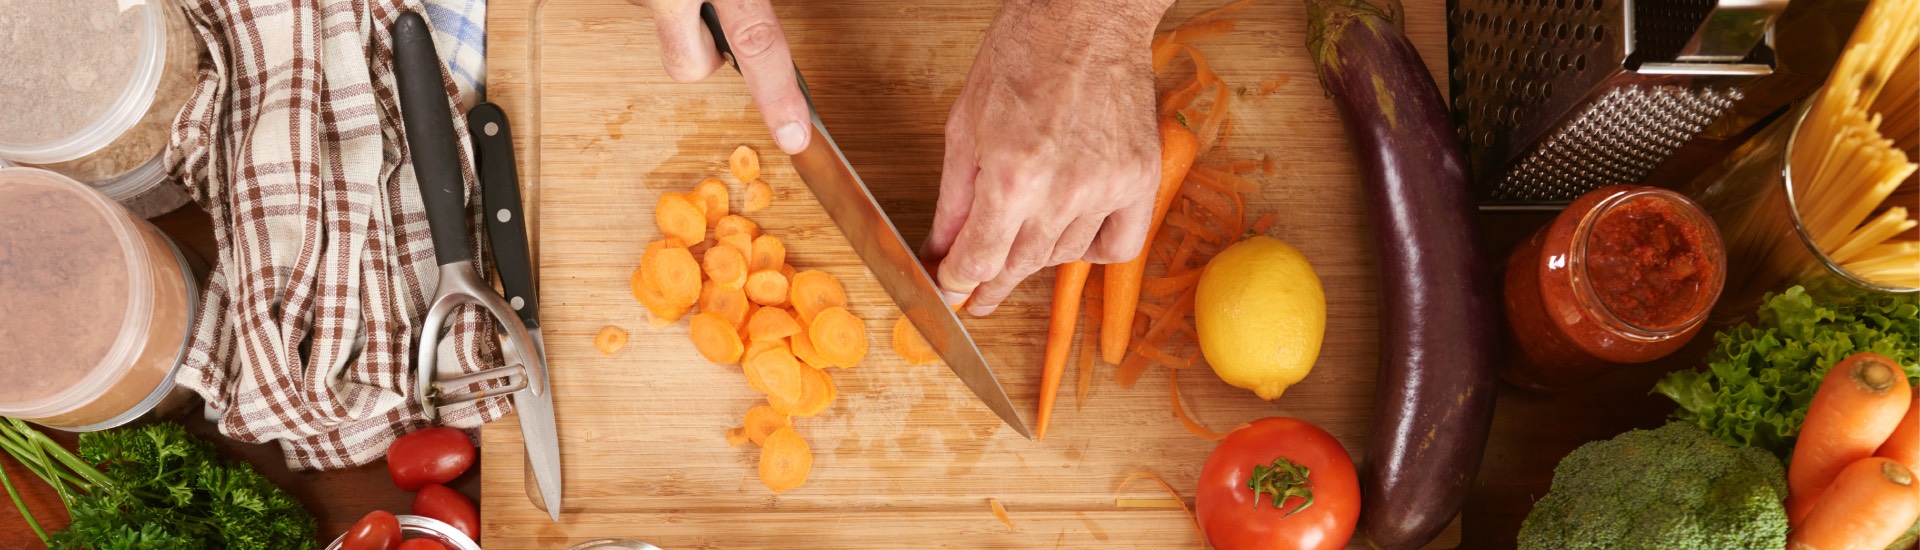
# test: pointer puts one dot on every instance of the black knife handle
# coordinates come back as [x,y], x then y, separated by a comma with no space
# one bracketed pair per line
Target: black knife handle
[712,19]
[501,207]
[430,137]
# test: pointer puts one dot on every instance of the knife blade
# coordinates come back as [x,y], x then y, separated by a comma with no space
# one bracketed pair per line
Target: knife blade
[847,200]
[507,234]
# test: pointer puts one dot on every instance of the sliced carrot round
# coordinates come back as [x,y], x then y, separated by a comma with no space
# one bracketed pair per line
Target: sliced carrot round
[736,437]
[803,349]
[816,392]
[715,337]
[909,345]
[609,340]
[777,372]
[771,323]
[839,337]
[741,243]
[754,349]
[729,303]
[762,421]
[681,217]
[767,288]
[785,460]
[768,254]
[734,224]
[725,266]
[744,163]
[672,271]
[713,194]
[759,196]
[787,270]
[661,308]
[814,290]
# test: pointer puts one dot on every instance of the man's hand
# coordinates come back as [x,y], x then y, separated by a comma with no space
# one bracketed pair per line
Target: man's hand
[1052,153]
[759,46]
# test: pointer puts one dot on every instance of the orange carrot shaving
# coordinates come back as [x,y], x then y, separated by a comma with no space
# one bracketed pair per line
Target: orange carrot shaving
[609,340]
[771,323]
[1266,165]
[1271,86]
[910,345]
[777,371]
[1001,512]
[803,349]
[1181,96]
[736,437]
[1177,265]
[1169,489]
[725,267]
[785,460]
[1164,49]
[744,163]
[759,196]
[734,224]
[716,338]
[1152,353]
[1202,30]
[1157,334]
[714,194]
[768,254]
[681,216]
[1219,12]
[1161,287]
[838,336]
[1193,426]
[1264,223]
[814,290]
[762,421]
[767,288]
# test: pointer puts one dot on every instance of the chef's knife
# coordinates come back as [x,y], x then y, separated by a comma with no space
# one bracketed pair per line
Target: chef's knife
[879,244]
[428,120]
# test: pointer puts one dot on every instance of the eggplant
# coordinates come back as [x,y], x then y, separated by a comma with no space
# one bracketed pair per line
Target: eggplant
[1433,403]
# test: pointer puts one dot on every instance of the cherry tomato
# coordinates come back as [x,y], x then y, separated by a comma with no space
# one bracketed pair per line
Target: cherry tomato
[378,530]
[1278,484]
[422,544]
[439,502]
[429,456]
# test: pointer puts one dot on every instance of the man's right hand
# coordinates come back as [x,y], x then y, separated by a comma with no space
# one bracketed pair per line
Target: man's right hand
[759,46]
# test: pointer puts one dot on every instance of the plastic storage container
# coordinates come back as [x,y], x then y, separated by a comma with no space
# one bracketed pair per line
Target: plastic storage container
[96,307]
[91,91]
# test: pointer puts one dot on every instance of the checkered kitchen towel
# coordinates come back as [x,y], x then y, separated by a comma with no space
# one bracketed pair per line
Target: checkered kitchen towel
[293,143]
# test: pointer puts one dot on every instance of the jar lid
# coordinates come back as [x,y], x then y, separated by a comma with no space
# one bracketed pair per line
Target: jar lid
[74,293]
[79,74]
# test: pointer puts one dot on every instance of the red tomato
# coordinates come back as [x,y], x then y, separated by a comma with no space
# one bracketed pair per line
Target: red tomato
[429,456]
[378,530]
[422,544]
[1288,457]
[439,502]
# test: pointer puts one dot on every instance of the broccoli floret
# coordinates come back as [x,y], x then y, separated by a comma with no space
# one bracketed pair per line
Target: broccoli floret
[1676,488]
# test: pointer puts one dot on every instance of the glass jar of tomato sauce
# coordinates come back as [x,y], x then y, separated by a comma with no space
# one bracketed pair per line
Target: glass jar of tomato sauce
[1626,274]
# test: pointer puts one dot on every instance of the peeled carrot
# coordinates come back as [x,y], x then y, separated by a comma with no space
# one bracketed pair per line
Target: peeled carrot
[838,336]
[715,337]
[1069,280]
[735,224]
[1858,406]
[767,288]
[1089,341]
[609,340]
[910,345]
[777,372]
[814,290]
[759,196]
[1870,504]
[730,304]
[744,163]
[803,349]
[771,323]
[1161,287]
[681,217]
[762,421]
[725,267]
[1178,146]
[1904,445]
[714,194]
[785,460]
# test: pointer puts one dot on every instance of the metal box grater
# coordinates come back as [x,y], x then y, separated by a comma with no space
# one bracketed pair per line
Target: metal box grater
[1554,98]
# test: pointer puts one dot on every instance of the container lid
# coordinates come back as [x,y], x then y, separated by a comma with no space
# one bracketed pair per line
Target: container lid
[79,74]
[72,292]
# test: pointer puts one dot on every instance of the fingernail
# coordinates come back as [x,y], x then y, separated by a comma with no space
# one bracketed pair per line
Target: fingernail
[980,311]
[791,138]
[953,298]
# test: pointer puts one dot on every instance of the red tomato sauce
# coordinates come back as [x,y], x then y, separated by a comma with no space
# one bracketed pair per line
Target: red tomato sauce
[1646,264]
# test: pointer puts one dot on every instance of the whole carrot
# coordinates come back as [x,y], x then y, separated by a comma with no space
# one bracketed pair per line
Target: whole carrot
[1069,279]
[1904,445]
[1178,147]
[1858,406]
[1870,504]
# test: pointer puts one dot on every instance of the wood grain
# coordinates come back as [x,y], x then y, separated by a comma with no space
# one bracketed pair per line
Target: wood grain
[907,457]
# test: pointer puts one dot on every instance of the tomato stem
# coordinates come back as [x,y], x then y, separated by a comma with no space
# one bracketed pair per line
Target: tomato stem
[1284,479]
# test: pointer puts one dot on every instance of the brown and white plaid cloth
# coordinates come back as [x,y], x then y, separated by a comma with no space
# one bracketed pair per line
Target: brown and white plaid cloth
[293,143]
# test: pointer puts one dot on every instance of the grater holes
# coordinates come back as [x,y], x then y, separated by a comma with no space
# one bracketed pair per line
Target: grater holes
[1560,30]
[1599,32]
[1580,62]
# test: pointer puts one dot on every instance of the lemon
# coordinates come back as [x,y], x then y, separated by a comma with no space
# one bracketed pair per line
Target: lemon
[1261,315]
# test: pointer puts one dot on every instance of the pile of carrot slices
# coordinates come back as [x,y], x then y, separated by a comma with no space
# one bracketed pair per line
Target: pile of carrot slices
[784,327]
[1204,212]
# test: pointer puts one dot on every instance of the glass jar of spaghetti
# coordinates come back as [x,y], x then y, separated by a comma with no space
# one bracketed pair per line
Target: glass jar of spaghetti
[1625,274]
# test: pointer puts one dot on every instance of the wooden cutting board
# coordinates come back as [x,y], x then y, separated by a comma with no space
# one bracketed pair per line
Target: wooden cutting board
[907,457]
